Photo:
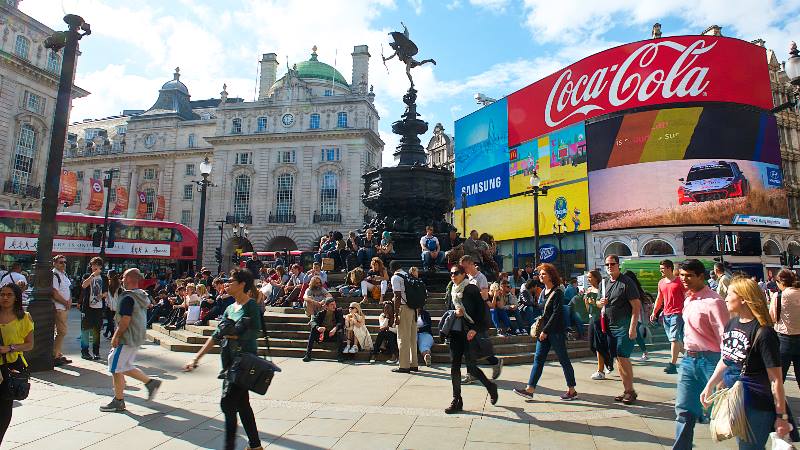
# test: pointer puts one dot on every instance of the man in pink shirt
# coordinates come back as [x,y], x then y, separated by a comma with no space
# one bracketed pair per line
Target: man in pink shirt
[671,296]
[705,316]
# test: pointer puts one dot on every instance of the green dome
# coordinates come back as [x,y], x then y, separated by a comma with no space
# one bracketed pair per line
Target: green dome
[316,69]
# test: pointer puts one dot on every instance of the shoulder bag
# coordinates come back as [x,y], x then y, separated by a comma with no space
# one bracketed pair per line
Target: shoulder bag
[18,383]
[538,325]
[728,414]
[251,372]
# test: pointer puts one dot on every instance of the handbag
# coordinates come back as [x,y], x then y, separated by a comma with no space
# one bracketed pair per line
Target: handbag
[481,346]
[538,325]
[18,379]
[728,415]
[251,372]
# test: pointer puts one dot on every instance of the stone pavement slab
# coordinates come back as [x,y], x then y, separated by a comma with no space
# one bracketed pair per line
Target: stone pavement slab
[324,404]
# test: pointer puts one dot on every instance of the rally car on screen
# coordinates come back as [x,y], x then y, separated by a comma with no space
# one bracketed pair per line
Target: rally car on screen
[714,180]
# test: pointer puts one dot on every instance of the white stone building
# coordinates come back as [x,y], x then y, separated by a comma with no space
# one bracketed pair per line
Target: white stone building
[287,166]
[29,76]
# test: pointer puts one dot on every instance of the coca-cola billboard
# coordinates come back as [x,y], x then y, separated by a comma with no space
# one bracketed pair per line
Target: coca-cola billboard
[681,69]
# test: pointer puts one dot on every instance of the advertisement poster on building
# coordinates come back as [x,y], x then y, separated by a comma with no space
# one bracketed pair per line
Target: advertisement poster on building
[68,187]
[95,194]
[483,139]
[141,207]
[676,69]
[121,205]
[161,208]
[684,166]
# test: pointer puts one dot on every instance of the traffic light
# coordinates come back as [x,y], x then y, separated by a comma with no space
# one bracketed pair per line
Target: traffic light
[794,261]
[97,238]
[112,228]
[218,254]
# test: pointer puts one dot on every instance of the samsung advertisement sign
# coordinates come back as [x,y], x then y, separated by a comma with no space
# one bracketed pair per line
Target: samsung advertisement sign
[484,186]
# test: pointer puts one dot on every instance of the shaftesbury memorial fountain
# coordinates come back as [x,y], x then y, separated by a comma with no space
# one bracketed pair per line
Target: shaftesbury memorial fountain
[411,195]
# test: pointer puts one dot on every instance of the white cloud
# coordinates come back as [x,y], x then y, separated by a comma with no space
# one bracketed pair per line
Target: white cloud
[455,4]
[416,5]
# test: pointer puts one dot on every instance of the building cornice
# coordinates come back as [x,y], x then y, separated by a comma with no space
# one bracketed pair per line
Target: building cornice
[122,156]
[306,135]
[37,73]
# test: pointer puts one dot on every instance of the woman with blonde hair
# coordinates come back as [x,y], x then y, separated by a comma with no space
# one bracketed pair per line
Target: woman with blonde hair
[357,332]
[751,354]
[377,276]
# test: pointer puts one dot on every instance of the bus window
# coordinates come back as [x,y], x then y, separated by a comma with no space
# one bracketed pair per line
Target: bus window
[68,229]
[26,226]
[6,225]
[149,233]
[176,236]
[81,229]
[164,234]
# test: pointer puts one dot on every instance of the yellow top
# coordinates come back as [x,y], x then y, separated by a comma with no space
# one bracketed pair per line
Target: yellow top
[14,333]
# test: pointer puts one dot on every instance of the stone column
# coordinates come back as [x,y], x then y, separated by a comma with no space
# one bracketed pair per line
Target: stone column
[133,199]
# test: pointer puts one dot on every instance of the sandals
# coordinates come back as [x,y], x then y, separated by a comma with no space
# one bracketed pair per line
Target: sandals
[627,397]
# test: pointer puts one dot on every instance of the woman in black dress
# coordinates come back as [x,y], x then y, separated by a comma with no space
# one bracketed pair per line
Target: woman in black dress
[470,310]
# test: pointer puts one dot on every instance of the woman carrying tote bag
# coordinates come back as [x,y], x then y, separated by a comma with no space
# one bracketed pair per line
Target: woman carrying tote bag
[242,338]
[750,354]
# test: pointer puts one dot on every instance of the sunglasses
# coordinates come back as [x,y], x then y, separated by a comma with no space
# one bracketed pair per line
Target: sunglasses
[611,264]
[454,273]
[352,307]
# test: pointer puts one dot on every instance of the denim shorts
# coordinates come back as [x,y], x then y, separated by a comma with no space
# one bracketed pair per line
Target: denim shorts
[619,329]
[673,326]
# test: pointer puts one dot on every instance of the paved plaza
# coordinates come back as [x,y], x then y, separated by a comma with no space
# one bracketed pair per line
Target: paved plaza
[324,404]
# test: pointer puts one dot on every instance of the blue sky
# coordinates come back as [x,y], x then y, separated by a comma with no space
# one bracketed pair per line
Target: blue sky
[491,46]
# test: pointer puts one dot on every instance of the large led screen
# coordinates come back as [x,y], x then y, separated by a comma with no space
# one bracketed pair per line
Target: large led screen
[684,166]
[482,139]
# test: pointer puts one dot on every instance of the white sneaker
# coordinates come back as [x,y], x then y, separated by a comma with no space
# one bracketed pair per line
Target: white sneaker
[644,357]
[391,361]
[427,359]
[609,370]
[598,376]
[346,349]
[353,349]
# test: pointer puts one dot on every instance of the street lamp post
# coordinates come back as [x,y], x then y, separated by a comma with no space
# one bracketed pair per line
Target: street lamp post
[41,306]
[536,191]
[792,69]
[220,227]
[107,184]
[205,171]
[464,213]
[559,234]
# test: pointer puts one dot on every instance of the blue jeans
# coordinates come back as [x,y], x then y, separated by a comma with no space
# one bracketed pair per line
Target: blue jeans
[428,261]
[558,342]
[500,318]
[761,423]
[364,256]
[571,320]
[522,323]
[693,376]
[424,342]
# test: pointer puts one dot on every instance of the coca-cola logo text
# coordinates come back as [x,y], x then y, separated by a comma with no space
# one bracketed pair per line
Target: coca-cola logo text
[631,79]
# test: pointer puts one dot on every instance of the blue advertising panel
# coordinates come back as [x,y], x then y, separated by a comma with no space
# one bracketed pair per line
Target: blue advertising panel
[482,139]
[484,186]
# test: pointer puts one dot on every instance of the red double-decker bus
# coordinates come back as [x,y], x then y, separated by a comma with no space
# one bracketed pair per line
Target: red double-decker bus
[151,245]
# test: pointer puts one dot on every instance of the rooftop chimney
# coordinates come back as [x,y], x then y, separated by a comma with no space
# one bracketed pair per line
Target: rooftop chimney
[269,71]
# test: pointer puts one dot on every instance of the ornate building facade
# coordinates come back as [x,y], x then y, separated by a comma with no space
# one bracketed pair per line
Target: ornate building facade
[286,166]
[29,76]
[440,149]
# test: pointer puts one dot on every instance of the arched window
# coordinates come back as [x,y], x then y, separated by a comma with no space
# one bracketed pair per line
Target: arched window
[617,248]
[241,197]
[262,124]
[794,248]
[657,247]
[53,62]
[771,248]
[236,127]
[23,158]
[341,120]
[22,47]
[284,198]
[314,122]
[329,195]
[150,199]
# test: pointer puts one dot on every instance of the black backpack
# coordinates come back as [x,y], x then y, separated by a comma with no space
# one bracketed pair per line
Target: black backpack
[416,292]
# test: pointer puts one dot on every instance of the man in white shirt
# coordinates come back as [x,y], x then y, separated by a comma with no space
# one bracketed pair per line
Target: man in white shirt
[432,254]
[62,301]
[13,276]
[406,322]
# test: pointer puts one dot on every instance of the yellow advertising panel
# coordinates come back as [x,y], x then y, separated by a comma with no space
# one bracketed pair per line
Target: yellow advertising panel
[512,218]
